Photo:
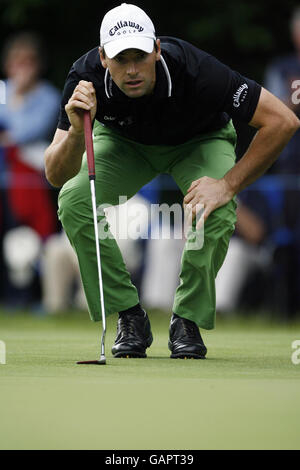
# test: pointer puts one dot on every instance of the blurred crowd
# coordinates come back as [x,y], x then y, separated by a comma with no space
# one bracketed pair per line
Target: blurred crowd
[38,268]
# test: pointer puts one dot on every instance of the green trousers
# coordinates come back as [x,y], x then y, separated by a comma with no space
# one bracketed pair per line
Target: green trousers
[122,168]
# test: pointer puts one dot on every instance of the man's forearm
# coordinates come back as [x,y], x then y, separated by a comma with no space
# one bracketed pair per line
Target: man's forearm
[63,159]
[261,154]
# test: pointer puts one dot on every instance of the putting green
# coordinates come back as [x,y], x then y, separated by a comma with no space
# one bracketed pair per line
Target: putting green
[245,395]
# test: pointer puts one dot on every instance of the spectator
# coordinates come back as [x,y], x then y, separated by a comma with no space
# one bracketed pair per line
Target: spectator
[29,117]
[61,283]
[280,78]
[27,121]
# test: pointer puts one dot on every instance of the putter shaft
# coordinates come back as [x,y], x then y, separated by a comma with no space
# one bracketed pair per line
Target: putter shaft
[92,176]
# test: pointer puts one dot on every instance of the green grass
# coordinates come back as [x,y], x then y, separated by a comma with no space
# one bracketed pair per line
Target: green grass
[245,395]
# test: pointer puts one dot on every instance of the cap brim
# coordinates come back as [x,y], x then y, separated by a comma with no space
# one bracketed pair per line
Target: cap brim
[114,48]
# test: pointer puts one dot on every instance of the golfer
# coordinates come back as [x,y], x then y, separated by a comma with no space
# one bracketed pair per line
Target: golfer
[158,106]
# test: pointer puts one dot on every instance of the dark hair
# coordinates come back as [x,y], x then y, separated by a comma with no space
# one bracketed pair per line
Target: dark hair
[28,40]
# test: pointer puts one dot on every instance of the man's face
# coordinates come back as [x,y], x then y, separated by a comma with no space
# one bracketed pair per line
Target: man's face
[133,70]
[22,66]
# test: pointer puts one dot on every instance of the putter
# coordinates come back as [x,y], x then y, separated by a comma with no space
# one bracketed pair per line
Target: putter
[92,176]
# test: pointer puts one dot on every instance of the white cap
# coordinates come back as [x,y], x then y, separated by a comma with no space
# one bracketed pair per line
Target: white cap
[126,27]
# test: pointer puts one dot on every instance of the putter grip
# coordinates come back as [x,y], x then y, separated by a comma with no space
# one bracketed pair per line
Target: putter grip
[89,144]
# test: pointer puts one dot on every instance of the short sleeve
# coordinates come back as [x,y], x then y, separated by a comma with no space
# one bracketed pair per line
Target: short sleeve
[226,90]
[71,82]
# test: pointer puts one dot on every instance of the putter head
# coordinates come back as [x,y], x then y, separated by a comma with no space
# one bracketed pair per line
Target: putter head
[102,361]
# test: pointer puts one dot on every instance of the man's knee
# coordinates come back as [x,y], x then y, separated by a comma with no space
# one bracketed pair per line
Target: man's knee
[221,222]
[76,213]
[74,206]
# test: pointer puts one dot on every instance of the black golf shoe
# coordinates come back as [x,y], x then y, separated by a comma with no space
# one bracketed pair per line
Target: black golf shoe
[185,340]
[134,335]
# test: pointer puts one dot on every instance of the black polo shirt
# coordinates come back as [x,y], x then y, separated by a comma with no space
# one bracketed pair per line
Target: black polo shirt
[194,93]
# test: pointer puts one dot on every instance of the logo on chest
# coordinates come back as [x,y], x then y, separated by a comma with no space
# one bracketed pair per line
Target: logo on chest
[127,121]
[109,118]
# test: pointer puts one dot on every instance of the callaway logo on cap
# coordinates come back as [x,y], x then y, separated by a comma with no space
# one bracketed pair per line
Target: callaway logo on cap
[126,27]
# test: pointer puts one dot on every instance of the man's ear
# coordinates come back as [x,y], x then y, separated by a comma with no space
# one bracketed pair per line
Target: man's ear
[158,52]
[102,58]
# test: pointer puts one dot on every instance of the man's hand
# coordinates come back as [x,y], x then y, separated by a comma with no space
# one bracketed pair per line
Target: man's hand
[63,157]
[210,194]
[82,99]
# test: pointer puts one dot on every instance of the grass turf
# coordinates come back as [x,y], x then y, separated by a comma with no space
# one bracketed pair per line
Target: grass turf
[245,395]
